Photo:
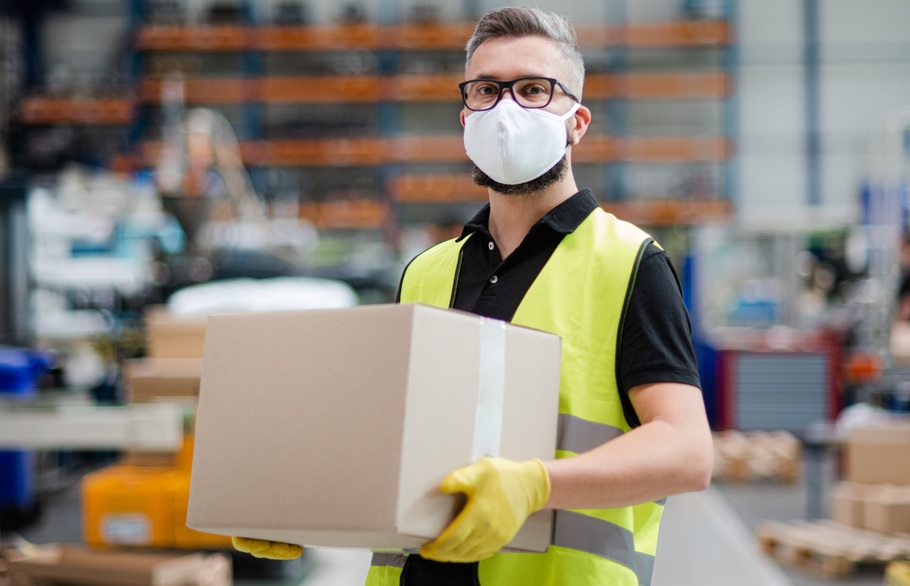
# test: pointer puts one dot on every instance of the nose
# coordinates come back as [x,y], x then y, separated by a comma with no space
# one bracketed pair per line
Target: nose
[511,95]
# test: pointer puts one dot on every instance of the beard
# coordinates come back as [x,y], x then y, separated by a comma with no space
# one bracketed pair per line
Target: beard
[556,173]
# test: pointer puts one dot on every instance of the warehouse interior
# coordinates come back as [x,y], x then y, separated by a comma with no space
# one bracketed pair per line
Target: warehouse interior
[162,161]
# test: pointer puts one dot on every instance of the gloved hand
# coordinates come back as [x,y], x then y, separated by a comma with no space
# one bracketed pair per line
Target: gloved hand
[273,550]
[501,495]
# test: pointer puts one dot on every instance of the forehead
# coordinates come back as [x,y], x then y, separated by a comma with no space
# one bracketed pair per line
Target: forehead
[509,58]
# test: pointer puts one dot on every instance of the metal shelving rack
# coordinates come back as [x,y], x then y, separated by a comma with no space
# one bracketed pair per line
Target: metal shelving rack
[394,157]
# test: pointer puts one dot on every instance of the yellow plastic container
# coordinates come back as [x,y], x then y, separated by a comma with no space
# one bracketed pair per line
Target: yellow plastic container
[128,505]
[897,574]
[144,505]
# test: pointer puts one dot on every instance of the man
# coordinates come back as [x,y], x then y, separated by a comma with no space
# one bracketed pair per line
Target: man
[543,254]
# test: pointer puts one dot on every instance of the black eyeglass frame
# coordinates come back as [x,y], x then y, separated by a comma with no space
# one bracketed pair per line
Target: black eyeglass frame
[507,85]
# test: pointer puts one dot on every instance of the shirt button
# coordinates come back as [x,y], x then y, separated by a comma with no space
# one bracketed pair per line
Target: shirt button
[491,246]
[494,279]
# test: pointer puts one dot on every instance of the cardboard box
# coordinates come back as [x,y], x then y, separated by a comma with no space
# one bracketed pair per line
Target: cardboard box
[847,503]
[888,510]
[878,455]
[70,565]
[171,336]
[148,379]
[877,507]
[335,427]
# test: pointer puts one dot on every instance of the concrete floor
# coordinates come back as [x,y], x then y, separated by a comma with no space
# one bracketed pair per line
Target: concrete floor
[707,539]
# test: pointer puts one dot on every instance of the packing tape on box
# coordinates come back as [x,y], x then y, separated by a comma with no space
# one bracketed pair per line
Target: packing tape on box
[491,388]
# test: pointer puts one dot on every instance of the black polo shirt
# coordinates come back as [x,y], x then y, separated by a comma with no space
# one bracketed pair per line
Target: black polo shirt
[656,343]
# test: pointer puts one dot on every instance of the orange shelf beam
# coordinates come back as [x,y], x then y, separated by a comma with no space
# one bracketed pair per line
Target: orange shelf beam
[657,86]
[322,89]
[204,91]
[442,87]
[320,38]
[664,212]
[676,149]
[346,214]
[429,149]
[100,111]
[369,151]
[429,36]
[194,38]
[435,189]
[336,152]
[597,149]
[439,36]
[423,87]
[676,34]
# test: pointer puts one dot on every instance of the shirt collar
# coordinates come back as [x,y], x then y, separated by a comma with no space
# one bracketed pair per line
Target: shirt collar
[564,218]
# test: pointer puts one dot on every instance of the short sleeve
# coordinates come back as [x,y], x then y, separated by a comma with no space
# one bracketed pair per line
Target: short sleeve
[656,337]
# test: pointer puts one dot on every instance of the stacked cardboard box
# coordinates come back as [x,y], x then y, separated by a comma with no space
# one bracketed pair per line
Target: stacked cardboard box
[877,507]
[869,510]
[142,500]
[875,491]
[174,363]
[741,456]
[66,565]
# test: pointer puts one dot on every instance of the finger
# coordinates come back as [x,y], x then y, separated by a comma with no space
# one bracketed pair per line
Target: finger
[441,548]
[475,545]
[282,551]
[480,551]
[461,480]
[456,533]
[249,545]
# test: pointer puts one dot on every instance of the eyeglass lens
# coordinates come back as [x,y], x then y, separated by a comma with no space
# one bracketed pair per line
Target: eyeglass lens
[535,92]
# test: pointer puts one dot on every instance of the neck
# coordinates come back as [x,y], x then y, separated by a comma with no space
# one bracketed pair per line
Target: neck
[512,216]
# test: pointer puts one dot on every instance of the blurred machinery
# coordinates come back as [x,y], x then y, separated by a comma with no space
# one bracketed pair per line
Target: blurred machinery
[880,365]
[884,227]
[202,181]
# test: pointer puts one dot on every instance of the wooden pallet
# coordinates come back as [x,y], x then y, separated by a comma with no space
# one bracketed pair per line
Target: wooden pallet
[828,548]
[744,456]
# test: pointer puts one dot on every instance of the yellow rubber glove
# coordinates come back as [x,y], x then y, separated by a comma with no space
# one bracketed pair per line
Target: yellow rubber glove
[273,550]
[501,495]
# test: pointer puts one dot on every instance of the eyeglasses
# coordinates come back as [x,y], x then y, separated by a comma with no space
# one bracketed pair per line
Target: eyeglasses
[528,92]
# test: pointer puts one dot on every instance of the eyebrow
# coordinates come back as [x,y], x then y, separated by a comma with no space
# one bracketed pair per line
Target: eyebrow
[497,78]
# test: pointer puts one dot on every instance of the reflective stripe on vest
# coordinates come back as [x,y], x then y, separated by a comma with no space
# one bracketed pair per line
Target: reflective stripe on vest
[392,560]
[577,435]
[580,532]
[601,538]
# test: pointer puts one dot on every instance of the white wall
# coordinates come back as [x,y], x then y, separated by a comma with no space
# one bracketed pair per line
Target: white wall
[864,73]
[770,147]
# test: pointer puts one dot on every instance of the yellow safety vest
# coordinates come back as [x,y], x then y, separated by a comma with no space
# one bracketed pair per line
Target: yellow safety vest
[580,295]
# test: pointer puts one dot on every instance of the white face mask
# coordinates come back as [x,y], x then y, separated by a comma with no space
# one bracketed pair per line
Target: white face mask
[512,144]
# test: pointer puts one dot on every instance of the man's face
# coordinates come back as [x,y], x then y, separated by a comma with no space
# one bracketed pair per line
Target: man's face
[504,59]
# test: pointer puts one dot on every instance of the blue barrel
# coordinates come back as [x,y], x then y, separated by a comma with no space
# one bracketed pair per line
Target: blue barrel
[20,370]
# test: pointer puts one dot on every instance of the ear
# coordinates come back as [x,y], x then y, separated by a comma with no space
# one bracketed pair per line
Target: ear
[461,117]
[582,120]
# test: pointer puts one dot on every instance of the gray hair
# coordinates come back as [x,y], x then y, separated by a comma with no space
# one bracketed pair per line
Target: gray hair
[523,21]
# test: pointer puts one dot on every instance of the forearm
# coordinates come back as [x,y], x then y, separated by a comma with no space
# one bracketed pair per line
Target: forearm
[664,456]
